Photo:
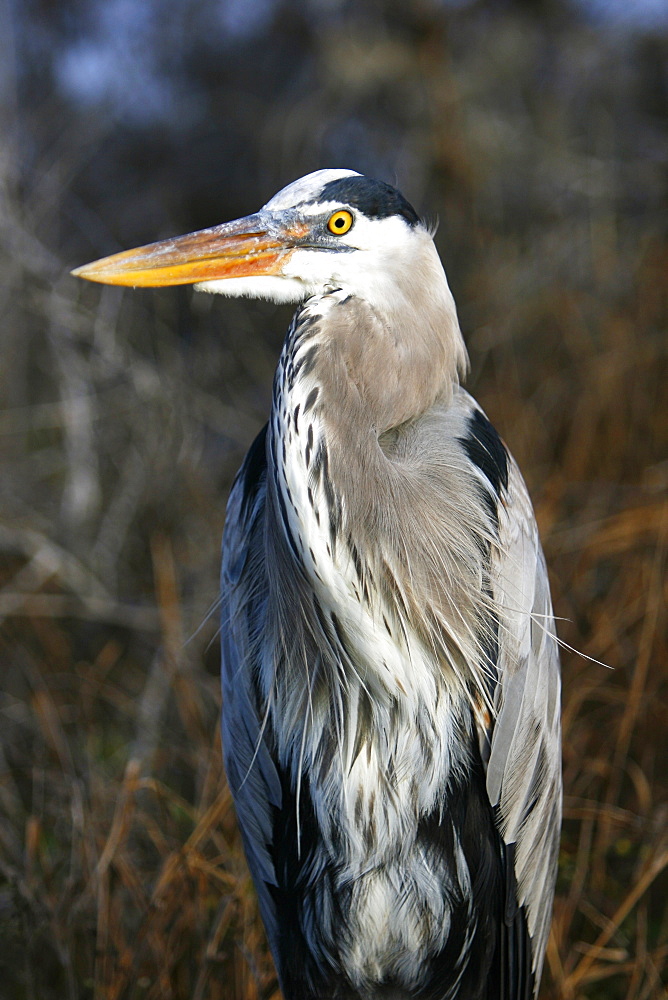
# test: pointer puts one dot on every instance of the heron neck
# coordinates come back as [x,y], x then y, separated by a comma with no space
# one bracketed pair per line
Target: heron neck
[346,377]
[335,478]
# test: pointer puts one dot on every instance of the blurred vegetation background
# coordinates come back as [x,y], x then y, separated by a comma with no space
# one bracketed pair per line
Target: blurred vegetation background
[536,133]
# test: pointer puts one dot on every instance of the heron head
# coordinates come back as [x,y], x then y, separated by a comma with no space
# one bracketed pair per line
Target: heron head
[329,228]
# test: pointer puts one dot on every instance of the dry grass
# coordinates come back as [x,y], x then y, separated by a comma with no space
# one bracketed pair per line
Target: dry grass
[121,872]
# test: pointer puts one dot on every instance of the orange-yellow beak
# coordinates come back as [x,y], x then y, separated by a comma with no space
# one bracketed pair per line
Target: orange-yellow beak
[256,245]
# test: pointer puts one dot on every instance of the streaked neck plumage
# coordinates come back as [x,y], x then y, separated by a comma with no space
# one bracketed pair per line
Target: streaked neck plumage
[351,439]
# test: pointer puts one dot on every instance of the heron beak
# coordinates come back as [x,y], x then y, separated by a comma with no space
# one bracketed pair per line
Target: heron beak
[255,245]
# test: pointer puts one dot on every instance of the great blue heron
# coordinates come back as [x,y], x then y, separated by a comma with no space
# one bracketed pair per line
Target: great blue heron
[390,672]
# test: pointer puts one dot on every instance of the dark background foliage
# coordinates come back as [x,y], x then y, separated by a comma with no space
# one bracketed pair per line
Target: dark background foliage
[536,133]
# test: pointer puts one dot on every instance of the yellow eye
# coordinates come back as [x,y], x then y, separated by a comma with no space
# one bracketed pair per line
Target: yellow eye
[340,222]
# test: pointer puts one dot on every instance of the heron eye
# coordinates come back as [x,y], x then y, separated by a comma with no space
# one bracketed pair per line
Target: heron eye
[340,222]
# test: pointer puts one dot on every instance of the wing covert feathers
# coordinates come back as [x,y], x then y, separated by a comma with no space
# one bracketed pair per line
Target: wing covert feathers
[252,773]
[524,768]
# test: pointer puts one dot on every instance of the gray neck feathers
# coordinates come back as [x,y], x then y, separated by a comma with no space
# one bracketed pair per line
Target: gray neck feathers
[401,346]
[358,466]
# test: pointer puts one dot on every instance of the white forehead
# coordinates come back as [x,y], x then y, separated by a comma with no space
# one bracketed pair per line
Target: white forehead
[307,188]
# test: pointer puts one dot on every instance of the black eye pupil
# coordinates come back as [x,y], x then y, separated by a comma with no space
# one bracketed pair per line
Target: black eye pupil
[339,223]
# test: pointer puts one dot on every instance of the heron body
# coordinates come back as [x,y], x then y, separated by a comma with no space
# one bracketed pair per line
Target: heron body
[390,672]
